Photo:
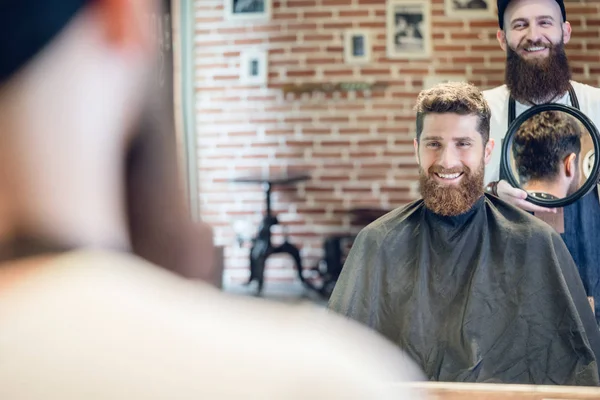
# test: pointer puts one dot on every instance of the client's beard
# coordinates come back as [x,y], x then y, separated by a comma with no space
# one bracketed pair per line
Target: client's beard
[540,80]
[451,200]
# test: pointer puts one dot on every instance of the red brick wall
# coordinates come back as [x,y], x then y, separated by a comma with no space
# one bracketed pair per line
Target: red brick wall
[358,147]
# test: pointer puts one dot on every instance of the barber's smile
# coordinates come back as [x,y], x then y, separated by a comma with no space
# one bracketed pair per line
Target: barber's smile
[535,50]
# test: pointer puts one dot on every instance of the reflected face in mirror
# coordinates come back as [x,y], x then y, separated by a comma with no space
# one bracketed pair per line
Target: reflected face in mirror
[547,155]
[452,155]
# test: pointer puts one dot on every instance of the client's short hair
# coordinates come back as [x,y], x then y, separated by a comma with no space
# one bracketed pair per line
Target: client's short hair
[461,98]
[542,142]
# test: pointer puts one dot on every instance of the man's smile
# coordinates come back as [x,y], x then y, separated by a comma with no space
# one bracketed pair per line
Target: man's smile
[534,51]
[448,177]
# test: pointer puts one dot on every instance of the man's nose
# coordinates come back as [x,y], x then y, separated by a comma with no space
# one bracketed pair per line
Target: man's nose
[534,33]
[448,158]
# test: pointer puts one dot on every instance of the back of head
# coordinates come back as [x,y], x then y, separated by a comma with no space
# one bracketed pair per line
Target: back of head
[75,79]
[461,98]
[80,74]
[543,142]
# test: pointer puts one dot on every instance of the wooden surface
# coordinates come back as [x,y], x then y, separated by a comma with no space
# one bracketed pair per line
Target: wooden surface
[476,391]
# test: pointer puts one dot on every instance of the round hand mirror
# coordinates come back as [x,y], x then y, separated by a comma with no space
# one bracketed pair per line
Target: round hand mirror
[549,152]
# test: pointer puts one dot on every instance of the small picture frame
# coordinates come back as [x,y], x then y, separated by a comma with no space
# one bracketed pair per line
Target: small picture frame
[408,29]
[432,80]
[253,67]
[470,8]
[248,10]
[357,46]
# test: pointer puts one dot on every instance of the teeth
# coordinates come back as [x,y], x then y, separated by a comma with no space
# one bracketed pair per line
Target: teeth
[449,176]
[535,48]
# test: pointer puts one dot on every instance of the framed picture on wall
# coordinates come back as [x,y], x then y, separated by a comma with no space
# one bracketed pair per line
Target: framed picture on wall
[253,67]
[408,25]
[252,10]
[357,46]
[432,80]
[470,8]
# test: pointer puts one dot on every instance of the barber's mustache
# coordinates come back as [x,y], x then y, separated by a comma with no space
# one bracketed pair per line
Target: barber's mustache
[538,43]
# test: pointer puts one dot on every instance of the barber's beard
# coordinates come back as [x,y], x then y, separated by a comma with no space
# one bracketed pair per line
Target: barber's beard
[537,81]
[447,199]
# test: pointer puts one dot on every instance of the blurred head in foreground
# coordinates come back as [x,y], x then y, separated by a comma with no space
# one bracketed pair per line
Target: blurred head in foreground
[87,155]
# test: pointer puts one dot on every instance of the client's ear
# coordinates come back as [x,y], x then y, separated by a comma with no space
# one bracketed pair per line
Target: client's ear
[571,165]
[127,24]
[416,144]
[487,151]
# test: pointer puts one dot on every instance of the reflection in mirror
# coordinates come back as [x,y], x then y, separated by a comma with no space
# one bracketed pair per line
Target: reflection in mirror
[588,163]
[550,155]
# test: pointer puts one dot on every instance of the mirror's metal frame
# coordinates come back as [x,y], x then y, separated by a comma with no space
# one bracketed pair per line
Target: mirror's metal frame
[507,146]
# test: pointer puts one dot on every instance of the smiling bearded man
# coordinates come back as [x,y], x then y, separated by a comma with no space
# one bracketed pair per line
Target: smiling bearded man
[443,197]
[472,288]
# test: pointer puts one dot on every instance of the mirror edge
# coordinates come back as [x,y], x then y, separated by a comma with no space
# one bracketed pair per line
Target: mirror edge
[590,183]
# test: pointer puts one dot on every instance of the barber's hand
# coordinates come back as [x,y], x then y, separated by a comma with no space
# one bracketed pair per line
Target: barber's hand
[517,197]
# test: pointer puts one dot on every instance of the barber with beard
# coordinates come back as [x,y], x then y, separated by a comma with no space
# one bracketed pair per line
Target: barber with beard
[533,33]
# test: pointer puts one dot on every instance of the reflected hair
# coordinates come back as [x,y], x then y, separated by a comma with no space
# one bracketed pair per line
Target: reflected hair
[460,98]
[542,142]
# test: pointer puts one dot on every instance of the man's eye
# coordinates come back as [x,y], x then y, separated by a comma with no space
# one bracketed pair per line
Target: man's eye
[463,144]
[546,23]
[433,145]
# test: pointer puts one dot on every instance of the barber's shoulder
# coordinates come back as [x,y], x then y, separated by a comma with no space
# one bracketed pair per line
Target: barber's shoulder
[586,93]
[584,86]
[589,99]
[498,93]
[497,99]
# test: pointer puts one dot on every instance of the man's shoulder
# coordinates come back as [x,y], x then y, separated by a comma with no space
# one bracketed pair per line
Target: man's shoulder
[498,93]
[589,99]
[516,221]
[122,310]
[497,99]
[388,222]
[585,88]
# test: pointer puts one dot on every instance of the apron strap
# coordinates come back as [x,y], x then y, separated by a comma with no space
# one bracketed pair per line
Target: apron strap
[573,96]
[512,108]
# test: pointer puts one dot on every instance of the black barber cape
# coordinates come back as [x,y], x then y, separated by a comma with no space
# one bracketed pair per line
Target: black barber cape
[492,295]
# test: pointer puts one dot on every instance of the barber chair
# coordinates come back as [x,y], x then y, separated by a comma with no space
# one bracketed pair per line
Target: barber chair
[337,247]
[262,246]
